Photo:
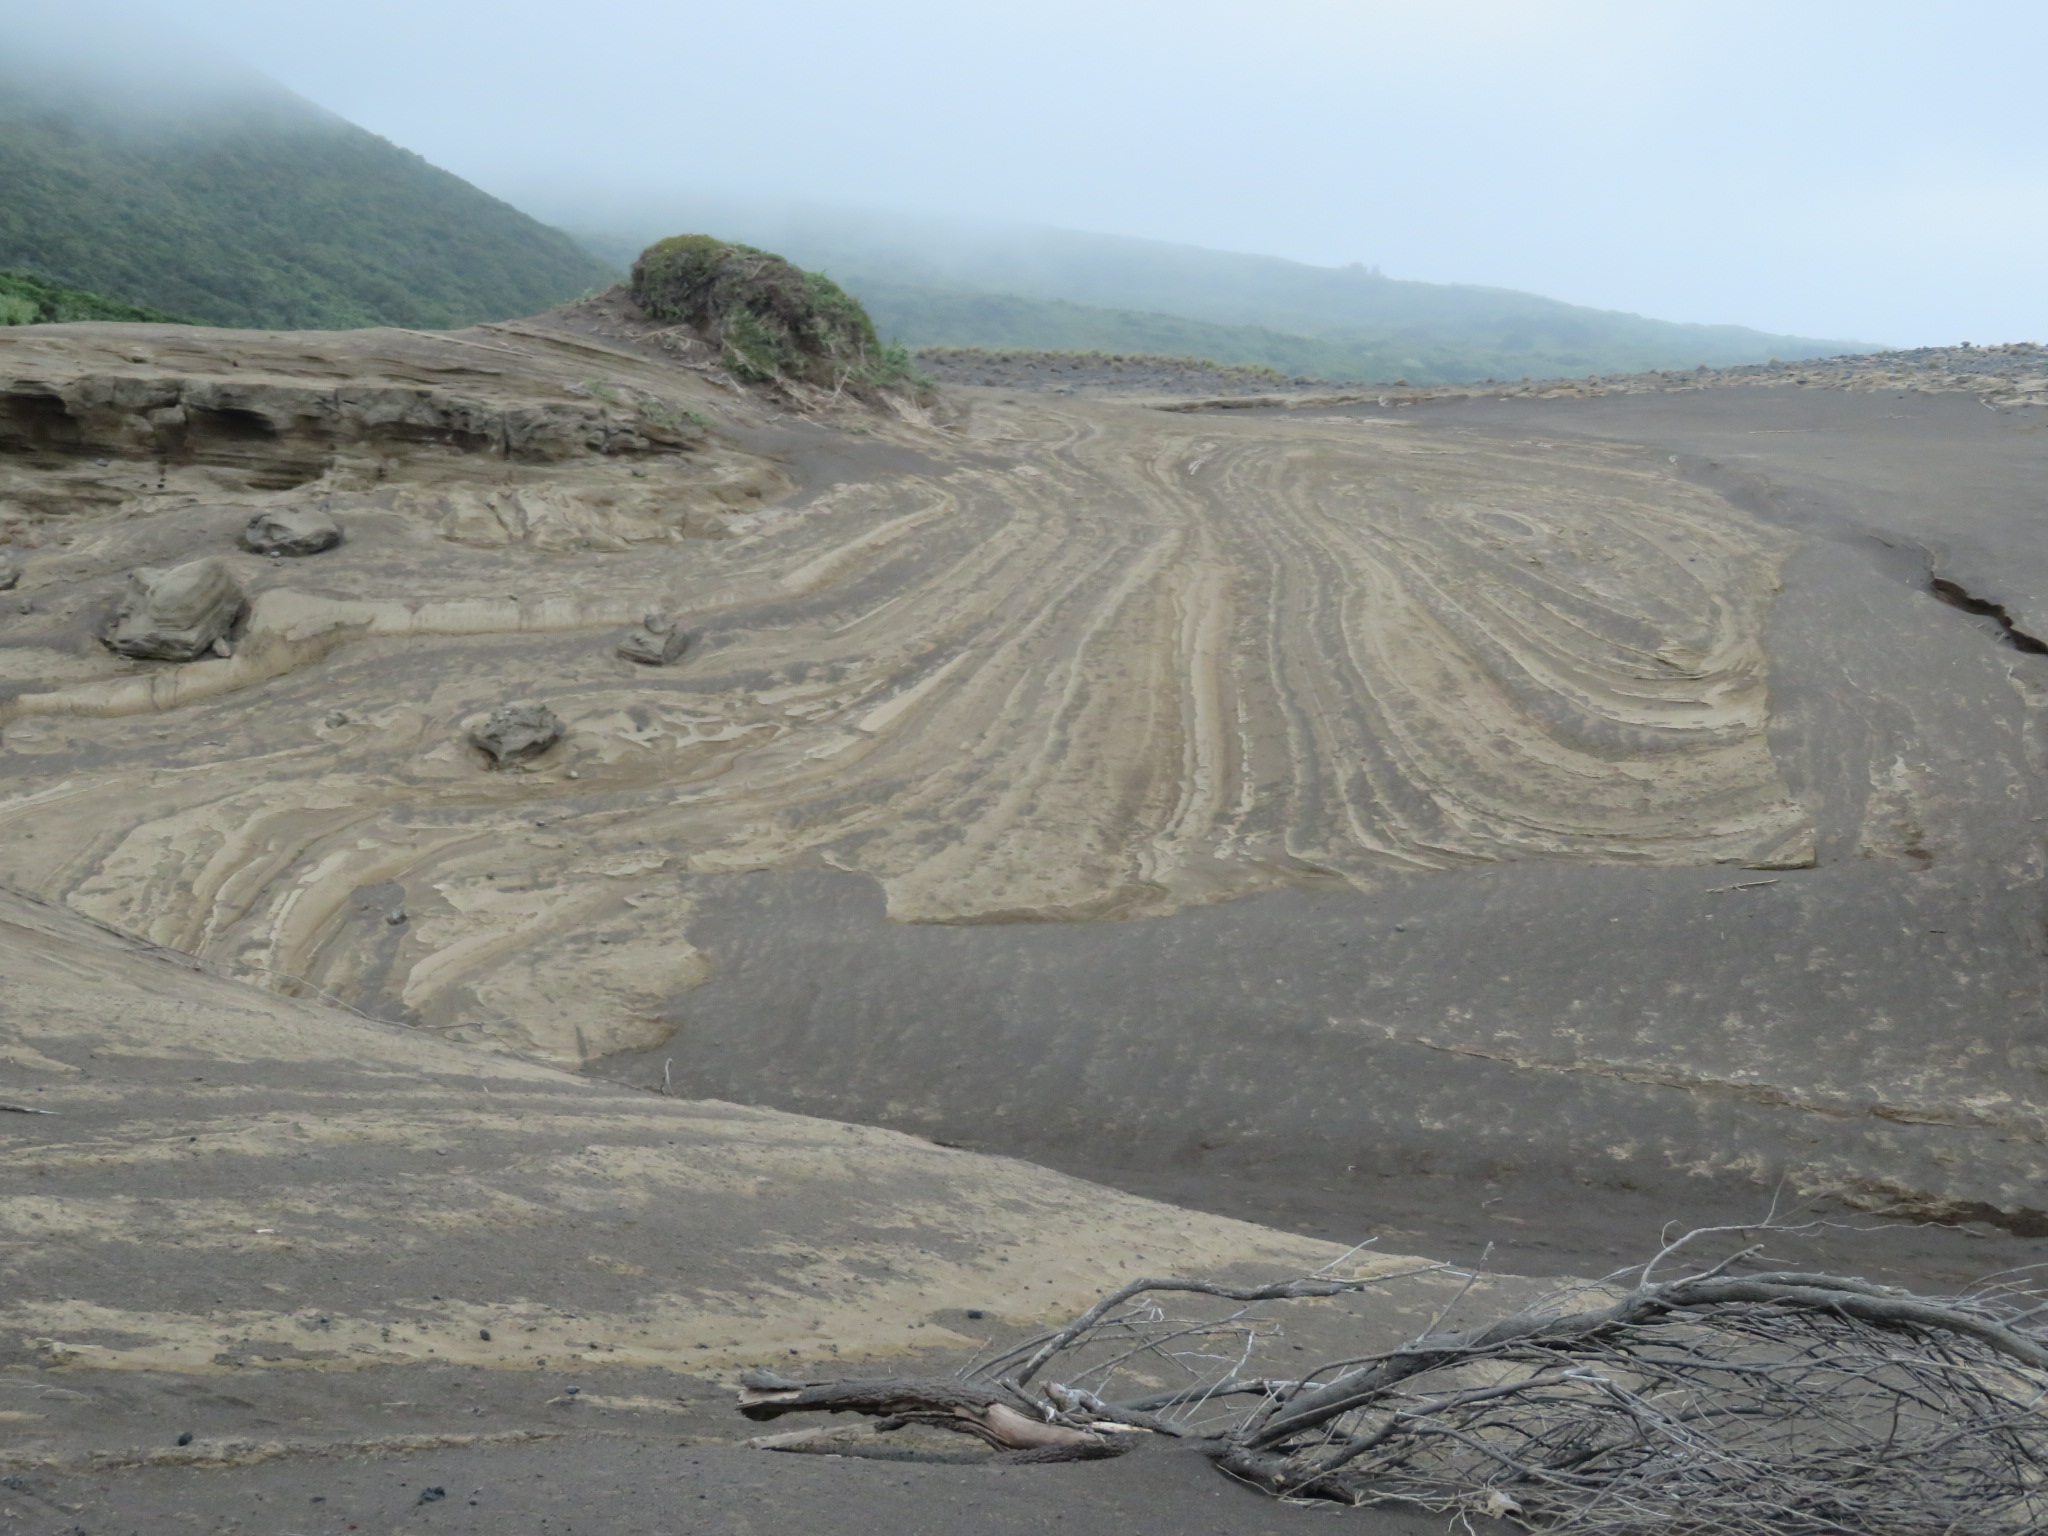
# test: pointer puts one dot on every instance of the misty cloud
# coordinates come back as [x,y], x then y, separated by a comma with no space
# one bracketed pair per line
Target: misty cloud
[1741,161]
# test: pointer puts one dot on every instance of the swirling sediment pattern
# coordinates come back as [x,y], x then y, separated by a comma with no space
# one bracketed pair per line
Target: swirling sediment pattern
[1058,661]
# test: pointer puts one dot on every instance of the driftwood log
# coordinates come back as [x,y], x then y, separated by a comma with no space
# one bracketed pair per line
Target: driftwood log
[1714,1402]
[1006,1421]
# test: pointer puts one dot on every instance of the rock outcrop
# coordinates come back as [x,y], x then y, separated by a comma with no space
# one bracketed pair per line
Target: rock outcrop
[211,421]
[657,641]
[517,733]
[178,613]
[291,531]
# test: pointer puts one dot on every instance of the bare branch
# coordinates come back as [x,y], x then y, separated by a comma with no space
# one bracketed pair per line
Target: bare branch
[1285,1290]
[1785,1403]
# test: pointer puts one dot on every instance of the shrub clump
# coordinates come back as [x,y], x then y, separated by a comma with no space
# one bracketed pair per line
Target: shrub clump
[772,321]
[28,300]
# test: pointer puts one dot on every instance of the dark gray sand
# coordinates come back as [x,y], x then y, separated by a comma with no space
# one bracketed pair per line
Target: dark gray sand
[275,1269]
[1554,1059]
[632,1486]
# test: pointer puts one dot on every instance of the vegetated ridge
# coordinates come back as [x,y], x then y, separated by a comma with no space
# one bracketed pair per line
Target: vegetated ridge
[26,300]
[769,319]
[1105,373]
[257,208]
[933,283]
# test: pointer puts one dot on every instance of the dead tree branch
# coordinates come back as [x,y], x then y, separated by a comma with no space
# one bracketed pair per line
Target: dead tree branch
[1715,1403]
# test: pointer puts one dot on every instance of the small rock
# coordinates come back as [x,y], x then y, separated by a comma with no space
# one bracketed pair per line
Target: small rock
[223,647]
[10,572]
[658,641]
[176,613]
[291,531]
[516,732]
[185,1438]
[432,1495]
[397,917]
[336,719]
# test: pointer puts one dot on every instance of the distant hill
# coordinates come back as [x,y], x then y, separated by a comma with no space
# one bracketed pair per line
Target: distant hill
[257,208]
[933,282]
[25,300]
[950,317]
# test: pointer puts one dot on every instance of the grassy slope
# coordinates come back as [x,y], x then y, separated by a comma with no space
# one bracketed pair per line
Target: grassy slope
[941,317]
[934,284]
[267,212]
[26,300]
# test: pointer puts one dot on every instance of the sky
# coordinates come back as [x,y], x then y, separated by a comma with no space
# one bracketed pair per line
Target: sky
[1874,170]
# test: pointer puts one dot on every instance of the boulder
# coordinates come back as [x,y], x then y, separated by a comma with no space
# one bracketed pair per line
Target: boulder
[179,613]
[658,641]
[10,572]
[291,531]
[517,732]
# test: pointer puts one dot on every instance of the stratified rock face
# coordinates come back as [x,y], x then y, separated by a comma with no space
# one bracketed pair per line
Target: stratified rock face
[657,641]
[176,614]
[516,733]
[291,531]
[210,421]
[558,446]
[10,572]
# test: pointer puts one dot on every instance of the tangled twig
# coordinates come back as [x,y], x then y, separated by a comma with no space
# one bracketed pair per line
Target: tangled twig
[1715,1403]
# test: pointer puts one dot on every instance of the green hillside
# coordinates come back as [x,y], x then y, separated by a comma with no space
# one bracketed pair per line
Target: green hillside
[932,282]
[24,300]
[262,210]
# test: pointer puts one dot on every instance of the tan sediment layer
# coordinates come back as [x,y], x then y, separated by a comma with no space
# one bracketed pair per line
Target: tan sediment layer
[1061,661]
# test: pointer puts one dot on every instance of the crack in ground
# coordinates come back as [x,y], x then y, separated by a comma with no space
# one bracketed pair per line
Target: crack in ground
[1956,596]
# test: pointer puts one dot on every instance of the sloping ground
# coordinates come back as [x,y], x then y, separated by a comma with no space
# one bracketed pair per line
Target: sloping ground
[260,209]
[1276,807]
[282,1227]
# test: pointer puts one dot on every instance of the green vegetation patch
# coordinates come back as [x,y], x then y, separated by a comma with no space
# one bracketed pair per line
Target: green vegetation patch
[773,321]
[1251,373]
[28,300]
[264,212]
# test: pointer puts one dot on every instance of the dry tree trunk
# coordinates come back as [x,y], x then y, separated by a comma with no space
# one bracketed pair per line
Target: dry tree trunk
[1003,1419]
[1714,1403]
